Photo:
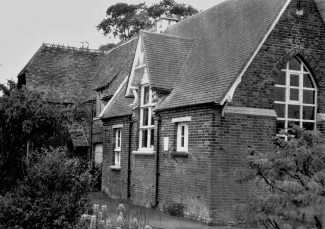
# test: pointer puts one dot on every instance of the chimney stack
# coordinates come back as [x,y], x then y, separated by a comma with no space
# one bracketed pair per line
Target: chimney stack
[164,22]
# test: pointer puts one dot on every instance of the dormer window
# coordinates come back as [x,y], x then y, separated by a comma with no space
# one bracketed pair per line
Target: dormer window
[147,126]
[295,96]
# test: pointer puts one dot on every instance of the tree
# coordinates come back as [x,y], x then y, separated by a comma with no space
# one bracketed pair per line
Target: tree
[53,194]
[107,47]
[124,21]
[293,178]
[27,122]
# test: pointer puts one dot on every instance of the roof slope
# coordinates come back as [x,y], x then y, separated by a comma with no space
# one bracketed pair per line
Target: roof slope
[227,36]
[115,63]
[77,134]
[64,73]
[321,7]
[165,57]
[120,105]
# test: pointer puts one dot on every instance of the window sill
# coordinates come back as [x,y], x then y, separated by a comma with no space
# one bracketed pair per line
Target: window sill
[117,150]
[115,167]
[142,152]
[179,154]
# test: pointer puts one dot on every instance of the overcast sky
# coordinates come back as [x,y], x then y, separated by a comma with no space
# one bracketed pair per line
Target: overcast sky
[26,24]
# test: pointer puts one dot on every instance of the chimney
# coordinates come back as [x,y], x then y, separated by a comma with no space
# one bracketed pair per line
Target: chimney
[164,22]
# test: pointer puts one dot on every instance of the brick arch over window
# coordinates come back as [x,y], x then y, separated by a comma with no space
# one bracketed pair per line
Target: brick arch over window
[303,55]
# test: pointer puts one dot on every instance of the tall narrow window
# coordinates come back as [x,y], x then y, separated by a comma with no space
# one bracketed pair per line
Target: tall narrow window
[182,137]
[295,96]
[117,150]
[147,126]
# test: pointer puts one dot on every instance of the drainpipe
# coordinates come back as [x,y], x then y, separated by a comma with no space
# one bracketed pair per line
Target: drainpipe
[129,158]
[157,162]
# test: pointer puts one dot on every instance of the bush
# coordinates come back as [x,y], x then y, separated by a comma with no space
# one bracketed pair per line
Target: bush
[293,177]
[54,193]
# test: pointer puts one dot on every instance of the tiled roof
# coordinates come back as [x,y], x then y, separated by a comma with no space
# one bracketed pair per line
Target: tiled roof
[226,35]
[115,63]
[165,57]
[77,134]
[321,7]
[65,74]
[120,106]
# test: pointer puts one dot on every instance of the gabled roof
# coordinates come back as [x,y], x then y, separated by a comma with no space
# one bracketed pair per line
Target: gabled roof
[165,56]
[227,36]
[115,63]
[119,105]
[64,73]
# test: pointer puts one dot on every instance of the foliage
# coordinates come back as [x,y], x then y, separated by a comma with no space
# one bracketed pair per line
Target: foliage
[53,194]
[27,122]
[293,177]
[107,47]
[125,21]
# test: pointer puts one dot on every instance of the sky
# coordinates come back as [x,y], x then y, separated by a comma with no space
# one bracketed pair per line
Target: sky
[26,24]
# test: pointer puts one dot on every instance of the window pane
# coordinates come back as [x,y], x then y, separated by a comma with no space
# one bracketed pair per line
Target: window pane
[280,126]
[146,95]
[279,94]
[309,97]
[294,64]
[182,136]
[118,138]
[281,78]
[280,110]
[144,138]
[145,116]
[152,120]
[294,94]
[294,111]
[152,139]
[308,125]
[183,131]
[309,113]
[294,80]
[307,81]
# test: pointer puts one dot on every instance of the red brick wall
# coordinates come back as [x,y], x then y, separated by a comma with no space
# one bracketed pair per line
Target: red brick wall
[114,182]
[143,170]
[235,135]
[293,35]
[187,180]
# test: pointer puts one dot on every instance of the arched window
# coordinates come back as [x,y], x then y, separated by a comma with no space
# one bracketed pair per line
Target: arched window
[295,96]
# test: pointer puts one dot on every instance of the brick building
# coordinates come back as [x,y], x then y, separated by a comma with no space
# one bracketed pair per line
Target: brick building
[203,92]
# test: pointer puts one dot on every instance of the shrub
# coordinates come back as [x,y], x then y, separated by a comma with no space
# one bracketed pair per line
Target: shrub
[54,193]
[293,177]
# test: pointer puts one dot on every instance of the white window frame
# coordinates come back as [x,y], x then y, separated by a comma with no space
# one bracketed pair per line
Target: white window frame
[299,102]
[150,126]
[179,146]
[118,145]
